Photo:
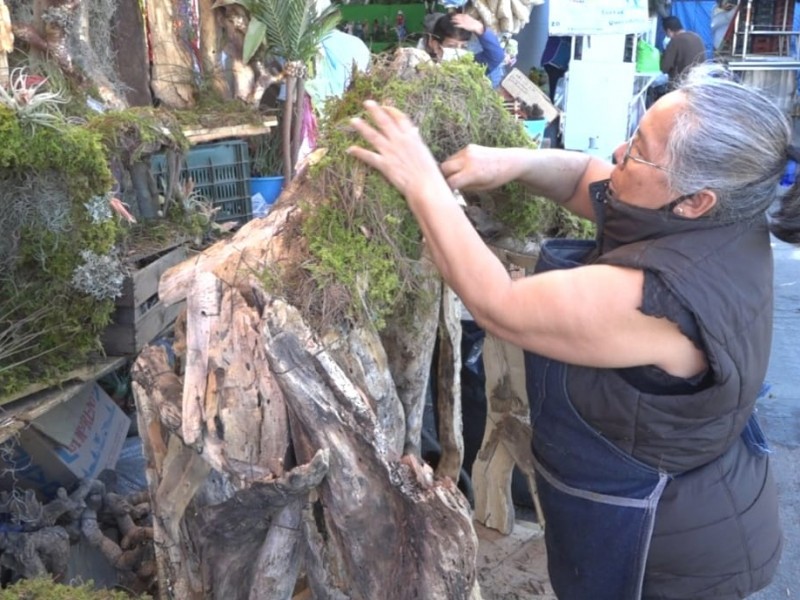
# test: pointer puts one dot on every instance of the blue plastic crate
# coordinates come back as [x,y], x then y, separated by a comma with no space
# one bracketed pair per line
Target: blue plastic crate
[220,172]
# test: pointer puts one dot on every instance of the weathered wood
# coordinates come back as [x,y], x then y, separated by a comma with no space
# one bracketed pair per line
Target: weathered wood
[35,400]
[208,134]
[378,515]
[211,46]
[278,562]
[409,347]
[130,51]
[204,304]
[172,70]
[448,396]
[140,316]
[494,466]
[366,494]
[250,249]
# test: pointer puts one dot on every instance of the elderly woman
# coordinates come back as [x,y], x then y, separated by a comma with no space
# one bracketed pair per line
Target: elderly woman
[645,349]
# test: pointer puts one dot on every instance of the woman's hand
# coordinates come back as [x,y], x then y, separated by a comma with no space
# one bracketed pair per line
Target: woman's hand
[478,168]
[469,23]
[399,152]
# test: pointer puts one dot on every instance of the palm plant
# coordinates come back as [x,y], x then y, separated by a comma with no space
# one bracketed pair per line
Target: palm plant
[291,30]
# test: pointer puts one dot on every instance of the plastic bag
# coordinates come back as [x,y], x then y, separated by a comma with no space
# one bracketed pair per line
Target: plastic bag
[648,58]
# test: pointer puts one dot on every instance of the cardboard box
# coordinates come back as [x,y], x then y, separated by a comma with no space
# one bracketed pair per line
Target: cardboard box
[74,440]
[518,86]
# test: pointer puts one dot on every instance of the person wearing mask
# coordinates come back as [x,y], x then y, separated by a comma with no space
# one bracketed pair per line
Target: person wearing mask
[685,49]
[447,36]
[646,348]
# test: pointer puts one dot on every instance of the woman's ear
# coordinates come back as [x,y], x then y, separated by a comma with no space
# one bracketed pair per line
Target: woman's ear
[699,204]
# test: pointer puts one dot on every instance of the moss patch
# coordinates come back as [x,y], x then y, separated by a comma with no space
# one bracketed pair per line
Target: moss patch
[46,589]
[48,179]
[360,243]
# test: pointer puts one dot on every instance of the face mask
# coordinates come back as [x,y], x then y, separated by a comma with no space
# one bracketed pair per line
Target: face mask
[620,223]
[453,53]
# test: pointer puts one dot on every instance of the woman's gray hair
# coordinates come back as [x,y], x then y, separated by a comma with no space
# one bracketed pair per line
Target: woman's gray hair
[728,138]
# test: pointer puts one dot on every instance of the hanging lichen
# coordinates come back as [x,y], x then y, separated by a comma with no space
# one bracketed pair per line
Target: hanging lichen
[357,246]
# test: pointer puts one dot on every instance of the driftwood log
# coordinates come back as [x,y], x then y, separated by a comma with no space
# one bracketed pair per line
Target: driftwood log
[282,458]
[506,443]
[38,536]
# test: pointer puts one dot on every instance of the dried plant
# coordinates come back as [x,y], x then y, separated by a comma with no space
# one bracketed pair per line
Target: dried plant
[20,335]
[30,102]
[100,276]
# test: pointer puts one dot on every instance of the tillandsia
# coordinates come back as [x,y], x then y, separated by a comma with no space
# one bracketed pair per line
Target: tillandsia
[100,276]
[32,104]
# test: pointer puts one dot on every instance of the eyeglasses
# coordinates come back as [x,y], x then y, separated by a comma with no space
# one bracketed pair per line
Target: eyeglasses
[638,159]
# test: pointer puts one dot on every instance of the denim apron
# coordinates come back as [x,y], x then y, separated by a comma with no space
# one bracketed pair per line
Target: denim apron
[599,503]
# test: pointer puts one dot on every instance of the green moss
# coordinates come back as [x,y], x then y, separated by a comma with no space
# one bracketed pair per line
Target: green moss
[46,589]
[137,132]
[360,234]
[37,299]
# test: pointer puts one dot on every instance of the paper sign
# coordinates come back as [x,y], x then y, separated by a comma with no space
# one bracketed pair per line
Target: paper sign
[598,17]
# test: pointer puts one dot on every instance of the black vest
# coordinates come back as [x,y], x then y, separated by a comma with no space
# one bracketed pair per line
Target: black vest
[723,274]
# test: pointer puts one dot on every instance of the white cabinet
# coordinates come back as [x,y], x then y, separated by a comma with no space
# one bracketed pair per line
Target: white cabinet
[605,96]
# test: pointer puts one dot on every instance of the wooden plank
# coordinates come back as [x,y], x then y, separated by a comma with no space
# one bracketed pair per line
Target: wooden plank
[208,134]
[130,338]
[143,283]
[34,401]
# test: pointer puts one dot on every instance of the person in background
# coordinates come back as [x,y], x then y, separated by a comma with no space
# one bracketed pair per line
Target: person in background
[338,55]
[447,36]
[684,50]
[555,61]
[400,26]
[646,348]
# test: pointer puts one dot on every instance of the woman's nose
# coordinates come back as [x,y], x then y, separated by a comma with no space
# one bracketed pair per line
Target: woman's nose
[618,153]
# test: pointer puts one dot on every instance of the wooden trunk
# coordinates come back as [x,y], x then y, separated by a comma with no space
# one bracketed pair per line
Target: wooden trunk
[130,45]
[172,71]
[282,457]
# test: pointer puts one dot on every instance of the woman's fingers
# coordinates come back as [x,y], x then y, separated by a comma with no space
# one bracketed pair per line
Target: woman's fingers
[387,119]
[366,156]
[366,131]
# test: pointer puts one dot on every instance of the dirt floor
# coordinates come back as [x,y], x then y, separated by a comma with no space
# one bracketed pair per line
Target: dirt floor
[513,567]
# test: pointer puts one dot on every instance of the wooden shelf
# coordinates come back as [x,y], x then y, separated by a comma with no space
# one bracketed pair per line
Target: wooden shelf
[208,134]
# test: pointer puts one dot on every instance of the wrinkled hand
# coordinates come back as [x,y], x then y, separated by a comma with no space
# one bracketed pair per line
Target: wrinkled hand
[477,168]
[399,152]
[469,23]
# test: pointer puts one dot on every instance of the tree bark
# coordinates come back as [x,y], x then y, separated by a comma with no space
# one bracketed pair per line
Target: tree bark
[130,45]
[210,47]
[172,70]
[281,448]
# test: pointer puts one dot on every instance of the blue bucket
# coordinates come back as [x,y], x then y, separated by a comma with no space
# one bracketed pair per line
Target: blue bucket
[269,188]
[535,128]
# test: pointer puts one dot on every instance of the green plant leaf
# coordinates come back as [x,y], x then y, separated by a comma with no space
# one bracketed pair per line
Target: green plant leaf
[253,39]
[293,29]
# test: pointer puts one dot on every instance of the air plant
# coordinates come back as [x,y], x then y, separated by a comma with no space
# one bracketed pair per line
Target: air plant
[30,102]
[100,276]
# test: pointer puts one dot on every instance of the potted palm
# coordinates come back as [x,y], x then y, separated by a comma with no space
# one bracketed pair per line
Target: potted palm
[291,30]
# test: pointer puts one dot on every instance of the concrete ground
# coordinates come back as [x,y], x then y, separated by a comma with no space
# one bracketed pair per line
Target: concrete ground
[515,567]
